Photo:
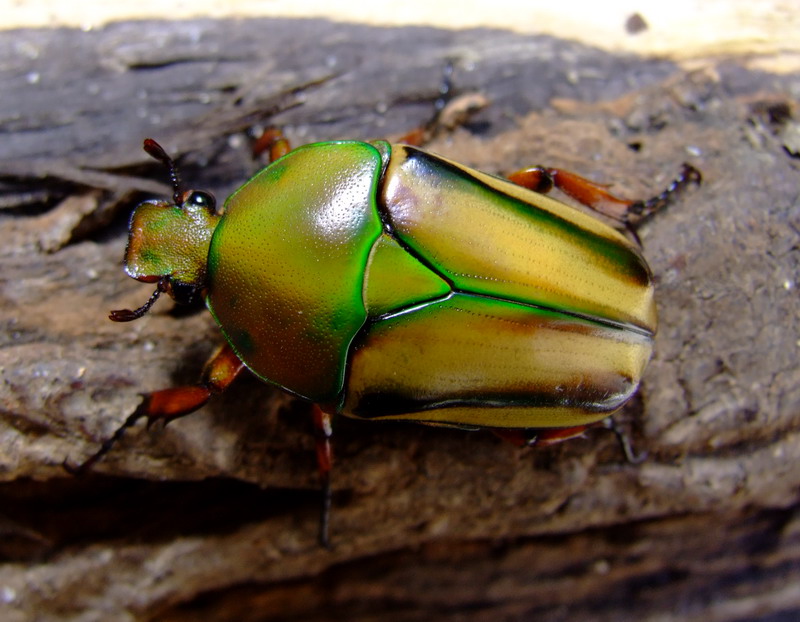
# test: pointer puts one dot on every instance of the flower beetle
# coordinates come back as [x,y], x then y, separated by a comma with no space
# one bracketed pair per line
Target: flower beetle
[383,282]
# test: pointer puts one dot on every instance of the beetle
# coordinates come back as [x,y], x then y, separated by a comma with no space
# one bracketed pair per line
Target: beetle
[383,282]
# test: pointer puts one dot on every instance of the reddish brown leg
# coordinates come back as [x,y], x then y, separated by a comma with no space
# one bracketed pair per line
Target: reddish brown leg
[417,137]
[273,142]
[540,437]
[545,437]
[447,118]
[168,404]
[322,434]
[449,112]
[596,196]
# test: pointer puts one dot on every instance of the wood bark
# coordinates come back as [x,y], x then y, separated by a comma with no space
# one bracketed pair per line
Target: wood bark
[214,517]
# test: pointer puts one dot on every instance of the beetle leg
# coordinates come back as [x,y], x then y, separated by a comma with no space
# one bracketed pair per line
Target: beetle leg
[426,132]
[449,112]
[322,433]
[596,197]
[631,456]
[271,141]
[540,437]
[168,404]
[545,437]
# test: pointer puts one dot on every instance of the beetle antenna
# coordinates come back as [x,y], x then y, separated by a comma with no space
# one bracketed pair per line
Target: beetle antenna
[126,315]
[156,151]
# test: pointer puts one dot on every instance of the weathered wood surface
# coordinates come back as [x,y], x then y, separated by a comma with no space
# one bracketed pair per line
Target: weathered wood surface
[214,518]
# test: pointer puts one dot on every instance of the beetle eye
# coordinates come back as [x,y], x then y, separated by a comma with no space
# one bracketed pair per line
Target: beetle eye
[198,198]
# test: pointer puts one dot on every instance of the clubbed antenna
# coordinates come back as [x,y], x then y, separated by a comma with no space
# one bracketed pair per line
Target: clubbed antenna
[128,315]
[157,151]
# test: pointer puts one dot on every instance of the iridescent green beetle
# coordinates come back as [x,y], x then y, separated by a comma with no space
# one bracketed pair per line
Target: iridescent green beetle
[380,281]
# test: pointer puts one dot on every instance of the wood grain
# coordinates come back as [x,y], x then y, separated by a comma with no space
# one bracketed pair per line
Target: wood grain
[214,517]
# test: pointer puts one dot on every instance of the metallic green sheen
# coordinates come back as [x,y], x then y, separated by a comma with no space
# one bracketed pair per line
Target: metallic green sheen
[473,360]
[395,279]
[166,240]
[489,236]
[287,261]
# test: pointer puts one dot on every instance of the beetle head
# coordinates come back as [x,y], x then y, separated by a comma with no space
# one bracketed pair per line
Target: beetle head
[168,241]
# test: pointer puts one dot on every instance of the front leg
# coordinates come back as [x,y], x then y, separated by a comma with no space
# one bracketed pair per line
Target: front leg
[167,404]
